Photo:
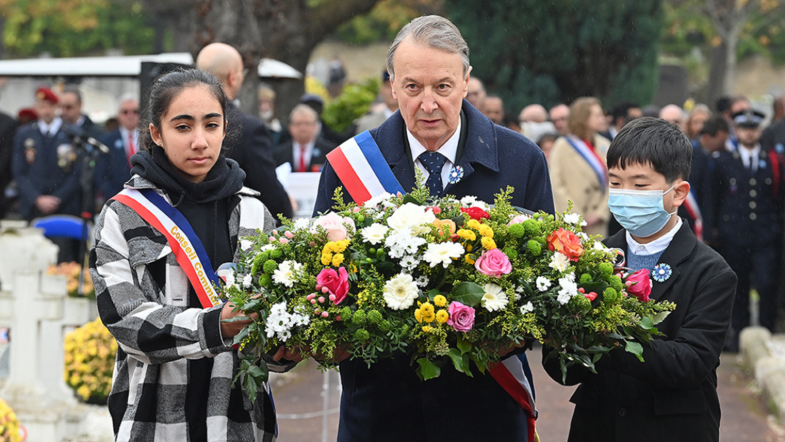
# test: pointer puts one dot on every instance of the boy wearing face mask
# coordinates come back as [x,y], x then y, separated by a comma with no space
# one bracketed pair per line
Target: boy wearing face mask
[673,394]
[744,203]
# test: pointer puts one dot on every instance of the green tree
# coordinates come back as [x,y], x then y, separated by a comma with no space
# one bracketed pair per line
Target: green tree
[548,52]
[66,28]
[385,20]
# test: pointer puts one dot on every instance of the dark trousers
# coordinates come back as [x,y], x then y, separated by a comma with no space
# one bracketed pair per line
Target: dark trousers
[758,267]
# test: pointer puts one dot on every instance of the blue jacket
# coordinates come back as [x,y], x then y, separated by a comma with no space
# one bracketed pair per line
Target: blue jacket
[387,402]
[46,166]
[112,170]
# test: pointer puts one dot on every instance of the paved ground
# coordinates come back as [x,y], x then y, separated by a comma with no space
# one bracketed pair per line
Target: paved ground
[299,395]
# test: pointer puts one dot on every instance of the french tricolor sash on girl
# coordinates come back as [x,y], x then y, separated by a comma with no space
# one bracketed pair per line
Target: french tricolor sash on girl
[591,157]
[186,246]
[691,205]
[510,375]
[364,172]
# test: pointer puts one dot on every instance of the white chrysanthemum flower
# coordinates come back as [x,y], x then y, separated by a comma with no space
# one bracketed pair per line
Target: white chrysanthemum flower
[302,223]
[422,281]
[543,283]
[247,281]
[285,274]
[400,292]
[374,201]
[584,237]
[374,233]
[574,218]
[518,291]
[411,216]
[526,308]
[600,247]
[468,200]
[494,297]
[559,262]
[570,277]
[442,253]
[229,281]
[402,242]
[472,201]
[409,262]
[267,247]
[568,289]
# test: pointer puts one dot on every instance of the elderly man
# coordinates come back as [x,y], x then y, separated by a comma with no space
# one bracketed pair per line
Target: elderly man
[114,170]
[71,113]
[374,119]
[437,132]
[305,151]
[673,114]
[493,108]
[560,114]
[252,149]
[476,94]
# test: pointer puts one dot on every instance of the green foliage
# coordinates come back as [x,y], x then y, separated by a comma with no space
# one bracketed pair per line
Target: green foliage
[548,52]
[354,102]
[384,21]
[66,28]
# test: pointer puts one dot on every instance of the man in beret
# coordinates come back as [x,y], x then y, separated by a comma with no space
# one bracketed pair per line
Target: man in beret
[743,203]
[46,169]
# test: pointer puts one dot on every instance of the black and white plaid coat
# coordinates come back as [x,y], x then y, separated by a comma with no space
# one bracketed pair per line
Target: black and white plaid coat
[142,296]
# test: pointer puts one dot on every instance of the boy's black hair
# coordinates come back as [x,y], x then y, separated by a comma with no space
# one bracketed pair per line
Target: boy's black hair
[715,124]
[655,142]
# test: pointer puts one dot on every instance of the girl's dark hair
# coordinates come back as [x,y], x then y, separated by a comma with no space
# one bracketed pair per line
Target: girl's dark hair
[654,142]
[164,90]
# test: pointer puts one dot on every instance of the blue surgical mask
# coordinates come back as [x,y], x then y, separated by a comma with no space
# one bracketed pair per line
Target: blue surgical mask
[641,212]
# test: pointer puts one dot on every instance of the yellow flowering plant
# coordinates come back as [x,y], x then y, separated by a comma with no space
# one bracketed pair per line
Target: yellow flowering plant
[446,281]
[9,424]
[90,353]
[71,272]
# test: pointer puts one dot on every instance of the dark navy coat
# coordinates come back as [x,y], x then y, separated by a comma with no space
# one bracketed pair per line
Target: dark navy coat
[743,207]
[387,402]
[46,166]
[112,170]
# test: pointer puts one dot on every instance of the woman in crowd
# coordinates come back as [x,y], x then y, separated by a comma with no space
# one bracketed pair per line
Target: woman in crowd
[577,166]
[698,115]
[158,245]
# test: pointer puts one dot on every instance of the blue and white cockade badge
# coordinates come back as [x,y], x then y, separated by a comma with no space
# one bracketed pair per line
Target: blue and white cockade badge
[456,174]
[661,272]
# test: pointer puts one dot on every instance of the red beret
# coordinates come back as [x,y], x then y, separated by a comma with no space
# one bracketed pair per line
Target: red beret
[44,93]
[27,113]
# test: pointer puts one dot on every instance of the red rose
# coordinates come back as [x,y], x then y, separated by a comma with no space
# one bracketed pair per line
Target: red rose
[566,242]
[639,285]
[476,213]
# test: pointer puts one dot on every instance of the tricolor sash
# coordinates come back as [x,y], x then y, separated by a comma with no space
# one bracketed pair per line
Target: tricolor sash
[186,246]
[510,375]
[691,205]
[364,172]
[591,157]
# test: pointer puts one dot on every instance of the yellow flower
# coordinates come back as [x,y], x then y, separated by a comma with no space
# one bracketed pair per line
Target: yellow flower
[440,300]
[427,328]
[486,231]
[473,224]
[418,315]
[428,316]
[442,316]
[466,234]
[341,245]
[469,247]
[337,259]
[488,243]
[427,308]
[469,260]
[327,258]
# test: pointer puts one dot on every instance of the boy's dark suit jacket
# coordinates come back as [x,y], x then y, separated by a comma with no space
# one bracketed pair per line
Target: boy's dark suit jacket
[387,402]
[672,396]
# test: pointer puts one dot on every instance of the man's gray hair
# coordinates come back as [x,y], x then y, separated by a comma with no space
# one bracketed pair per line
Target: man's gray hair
[304,109]
[435,32]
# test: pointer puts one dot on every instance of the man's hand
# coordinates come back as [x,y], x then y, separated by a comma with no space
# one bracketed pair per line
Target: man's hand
[231,329]
[47,203]
[506,350]
[289,355]
[339,355]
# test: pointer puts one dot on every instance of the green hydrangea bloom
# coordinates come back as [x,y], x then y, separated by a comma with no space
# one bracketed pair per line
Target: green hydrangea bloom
[384,325]
[362,335]
[511,253]
[586,278]
[374,317]
[265,280]
[610,296]
[276,253]
[359,318]
[346,314]
[606,269]
[534,247]
[532,227]
[616,283]
[517,230]
[270,266]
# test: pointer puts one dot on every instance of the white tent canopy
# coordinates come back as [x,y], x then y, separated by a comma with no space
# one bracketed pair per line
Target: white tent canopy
[119,66]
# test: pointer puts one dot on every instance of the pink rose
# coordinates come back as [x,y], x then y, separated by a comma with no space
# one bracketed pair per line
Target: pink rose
[519,219]
[493,263]
[334,225]
[639,285]
[461,316]
[336,283]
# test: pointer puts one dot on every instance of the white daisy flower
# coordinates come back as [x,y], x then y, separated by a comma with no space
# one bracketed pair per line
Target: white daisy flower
[247,281]
[374,233]
[422,281]
[400,292]
[402,242]
[528,307]
[574,218]
[442,253]
[409,262]
[374,201]
[285,274]
[568,289]
[518,291]
[559,262]
[494,297]
[543,283]
[599,246]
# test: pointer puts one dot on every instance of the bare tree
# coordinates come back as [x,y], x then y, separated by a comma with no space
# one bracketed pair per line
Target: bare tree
[286,30]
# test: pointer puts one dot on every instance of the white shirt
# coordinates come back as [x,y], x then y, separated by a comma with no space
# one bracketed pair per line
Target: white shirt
[448,149]
[124,136]
[654,247]
[296,155]
[51,128]
[750,155]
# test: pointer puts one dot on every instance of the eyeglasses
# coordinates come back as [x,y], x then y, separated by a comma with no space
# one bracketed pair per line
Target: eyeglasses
[129,111]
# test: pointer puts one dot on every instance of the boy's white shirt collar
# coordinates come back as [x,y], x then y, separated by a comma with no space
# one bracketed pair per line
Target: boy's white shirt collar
[654,247]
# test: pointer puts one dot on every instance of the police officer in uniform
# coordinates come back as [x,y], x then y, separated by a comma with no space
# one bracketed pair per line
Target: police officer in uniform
[744,202]
[46,169]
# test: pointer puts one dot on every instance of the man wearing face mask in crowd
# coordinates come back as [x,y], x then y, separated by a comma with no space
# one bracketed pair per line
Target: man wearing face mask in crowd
[672,395]
[744,202]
